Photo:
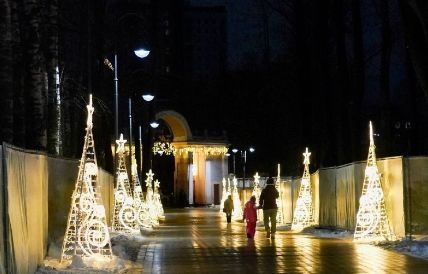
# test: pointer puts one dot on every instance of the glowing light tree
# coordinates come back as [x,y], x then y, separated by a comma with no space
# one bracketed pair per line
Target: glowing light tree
[279,203]
[256,192]
[303,213]
[237,208]
[140,204]
[225,193]
[150,199]
[124,214]
[157,200]
[87,232]
[372,221]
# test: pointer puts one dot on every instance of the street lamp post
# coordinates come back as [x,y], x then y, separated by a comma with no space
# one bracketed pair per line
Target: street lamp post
[244,156]
[234,154]
[147,98]
[116,100]
[141,53]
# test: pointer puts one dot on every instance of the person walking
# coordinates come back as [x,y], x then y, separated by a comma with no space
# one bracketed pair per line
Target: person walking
[270,209]
[228,208]
[250,215]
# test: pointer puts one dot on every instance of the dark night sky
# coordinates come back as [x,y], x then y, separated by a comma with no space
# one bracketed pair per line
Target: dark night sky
[278,75]
[282,105]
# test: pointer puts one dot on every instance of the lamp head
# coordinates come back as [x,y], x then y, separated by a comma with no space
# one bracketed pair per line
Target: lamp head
[234,150]
[148,97]
[154,124]
[141,53]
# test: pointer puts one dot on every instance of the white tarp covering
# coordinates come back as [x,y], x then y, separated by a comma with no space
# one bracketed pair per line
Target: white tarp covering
[27,209]
[38,196]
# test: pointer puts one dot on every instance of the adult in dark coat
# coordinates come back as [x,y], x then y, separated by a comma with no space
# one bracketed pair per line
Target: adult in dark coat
[270,209]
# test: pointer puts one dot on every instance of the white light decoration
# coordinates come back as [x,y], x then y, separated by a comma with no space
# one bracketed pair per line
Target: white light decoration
[163,148]
[157,200]
[225,193]
[124,214]
[304,213]
[140,205]
[257,191]
[87,233]
[153,214]
[280,214]
[237,207]
[206,150]
[372,221]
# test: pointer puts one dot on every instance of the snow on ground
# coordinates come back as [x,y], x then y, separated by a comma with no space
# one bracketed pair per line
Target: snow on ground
[414,248]
[328,232]
[417,248]
[125,258]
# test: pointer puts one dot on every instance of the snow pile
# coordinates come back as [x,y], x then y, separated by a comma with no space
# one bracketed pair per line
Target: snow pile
[329,232]
[413,248]
[125,255]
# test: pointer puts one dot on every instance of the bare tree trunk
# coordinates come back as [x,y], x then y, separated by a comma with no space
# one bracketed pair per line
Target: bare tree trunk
[6,98]
[18,74]
[384,74]
[35,97]
[357,82]
[343,82]
[415,17]
[53,114]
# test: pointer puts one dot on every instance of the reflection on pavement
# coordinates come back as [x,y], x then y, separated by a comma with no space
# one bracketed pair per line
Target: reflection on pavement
[200,241]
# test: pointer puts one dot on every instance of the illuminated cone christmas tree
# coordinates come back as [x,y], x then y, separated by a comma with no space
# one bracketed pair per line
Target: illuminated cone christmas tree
[157,200]
[280,214]
[143,217]
[224,194]
[125,216]
[87,233]
[237,208]
[256,193]
[303,213]
[372,221]
[150,200]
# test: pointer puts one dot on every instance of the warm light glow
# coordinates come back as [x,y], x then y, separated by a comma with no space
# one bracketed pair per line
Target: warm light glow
[157,201]
[161,148]
[142,53]
[256,193]
[372,221]
[303,212]
[207,150]
[237,207]
[225,193]
[140,204]
[279,202]
[194,170]
[87,233]
[124,214]
[148,97]
[150,200]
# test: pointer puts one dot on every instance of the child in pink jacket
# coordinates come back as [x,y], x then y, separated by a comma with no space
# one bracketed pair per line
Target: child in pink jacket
[250,215]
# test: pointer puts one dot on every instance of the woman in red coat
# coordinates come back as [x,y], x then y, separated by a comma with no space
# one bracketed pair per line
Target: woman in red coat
[250,215]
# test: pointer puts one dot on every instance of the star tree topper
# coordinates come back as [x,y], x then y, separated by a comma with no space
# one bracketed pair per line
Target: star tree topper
[121,144]
[307,154]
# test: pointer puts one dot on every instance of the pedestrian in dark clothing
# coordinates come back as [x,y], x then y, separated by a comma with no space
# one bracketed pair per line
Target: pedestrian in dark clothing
[270,209]
[228,208]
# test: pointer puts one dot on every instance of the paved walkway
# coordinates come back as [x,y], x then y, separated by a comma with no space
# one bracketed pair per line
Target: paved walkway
[199,241]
